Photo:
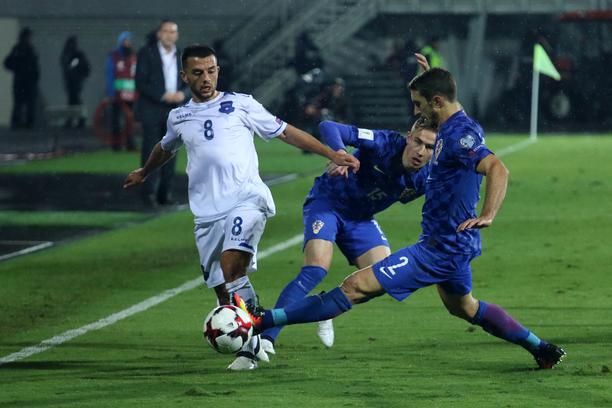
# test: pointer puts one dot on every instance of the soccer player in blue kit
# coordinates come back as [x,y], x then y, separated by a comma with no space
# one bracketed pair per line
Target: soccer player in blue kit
[450,237]
[341,205]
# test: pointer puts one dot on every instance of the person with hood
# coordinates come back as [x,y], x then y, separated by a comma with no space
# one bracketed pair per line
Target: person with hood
[23,62]
[75,69]
[121,87]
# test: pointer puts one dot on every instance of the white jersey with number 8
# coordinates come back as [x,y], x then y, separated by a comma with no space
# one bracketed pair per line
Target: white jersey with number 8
[222,163]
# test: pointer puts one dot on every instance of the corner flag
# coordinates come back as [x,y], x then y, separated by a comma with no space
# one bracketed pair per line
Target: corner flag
[541,64]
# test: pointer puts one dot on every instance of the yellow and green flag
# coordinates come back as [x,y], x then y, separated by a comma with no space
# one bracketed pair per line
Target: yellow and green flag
[543,64]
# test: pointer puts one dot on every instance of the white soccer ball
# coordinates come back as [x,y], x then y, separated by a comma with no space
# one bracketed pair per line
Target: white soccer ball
[227,328]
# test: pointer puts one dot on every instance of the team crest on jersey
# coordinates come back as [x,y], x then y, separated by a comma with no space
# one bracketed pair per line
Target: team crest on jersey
[438,150]
[226,107]
[467,142]
[317,225]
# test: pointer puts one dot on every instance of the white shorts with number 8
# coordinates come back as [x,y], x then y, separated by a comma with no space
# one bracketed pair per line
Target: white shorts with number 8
[240,230]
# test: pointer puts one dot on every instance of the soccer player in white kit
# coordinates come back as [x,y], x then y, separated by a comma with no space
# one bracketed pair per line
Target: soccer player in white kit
[229,200]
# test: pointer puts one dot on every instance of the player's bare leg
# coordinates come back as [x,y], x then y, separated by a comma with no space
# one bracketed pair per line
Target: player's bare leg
[361,286]
[234,265]
[222,294]
[496,321]
[319,252]
[462,306]
[374,255]
[318,255]
[325,330]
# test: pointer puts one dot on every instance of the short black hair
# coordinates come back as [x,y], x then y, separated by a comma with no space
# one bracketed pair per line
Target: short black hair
[165,21]
[423,123]
[435,81]
[196,50]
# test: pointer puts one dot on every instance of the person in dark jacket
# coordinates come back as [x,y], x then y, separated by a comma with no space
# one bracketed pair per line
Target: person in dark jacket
[23,62]
[160,90]
[75,69]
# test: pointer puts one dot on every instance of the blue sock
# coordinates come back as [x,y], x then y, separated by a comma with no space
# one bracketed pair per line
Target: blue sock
[496,321]
[310,309]
[308,278]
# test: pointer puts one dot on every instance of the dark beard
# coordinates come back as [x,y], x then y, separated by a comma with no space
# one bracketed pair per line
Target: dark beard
[435,119]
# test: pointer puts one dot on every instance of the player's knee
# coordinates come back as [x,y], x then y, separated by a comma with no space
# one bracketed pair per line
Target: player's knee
[317,260]
[318,253]
[234,267]
[463,310]
[232,271]
[233,274]
[457,311]
[353,290]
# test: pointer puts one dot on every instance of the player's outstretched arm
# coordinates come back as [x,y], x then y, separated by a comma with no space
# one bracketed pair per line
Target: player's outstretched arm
[337,136]
[306,141]
[496,175]
[156,159]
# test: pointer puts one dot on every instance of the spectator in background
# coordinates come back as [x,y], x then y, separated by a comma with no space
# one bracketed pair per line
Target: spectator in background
[120,87]
[307,54]
[334,104]
[160,90]
[398,56]
[151,37]
[302,103]
[23,62]
[75,69]
[432,53]
[225,62]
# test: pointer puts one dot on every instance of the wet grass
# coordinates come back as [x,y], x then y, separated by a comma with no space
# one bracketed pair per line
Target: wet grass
[546,259]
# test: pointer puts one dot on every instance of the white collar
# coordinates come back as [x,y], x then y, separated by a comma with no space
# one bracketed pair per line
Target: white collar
[163,51]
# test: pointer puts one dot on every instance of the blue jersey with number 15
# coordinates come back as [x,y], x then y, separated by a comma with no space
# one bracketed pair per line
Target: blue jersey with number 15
[381,180]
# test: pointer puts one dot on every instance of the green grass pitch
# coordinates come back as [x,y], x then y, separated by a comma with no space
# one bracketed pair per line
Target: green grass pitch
[547,260]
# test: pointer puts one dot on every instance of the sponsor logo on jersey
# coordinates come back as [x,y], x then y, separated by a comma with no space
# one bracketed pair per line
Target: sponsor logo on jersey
[467,142]
[183,115]
[317,225]
[438,150]
[226,107]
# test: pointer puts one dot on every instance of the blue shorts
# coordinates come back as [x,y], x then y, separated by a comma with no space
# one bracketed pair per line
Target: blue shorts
[420,265]
[353,237]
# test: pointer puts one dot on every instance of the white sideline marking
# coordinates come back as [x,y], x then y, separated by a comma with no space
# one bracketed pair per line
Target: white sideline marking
[515,147]
[282,179]
[137,308]
[34,248]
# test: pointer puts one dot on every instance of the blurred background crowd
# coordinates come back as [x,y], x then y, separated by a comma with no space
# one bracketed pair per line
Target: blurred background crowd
[74,66]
